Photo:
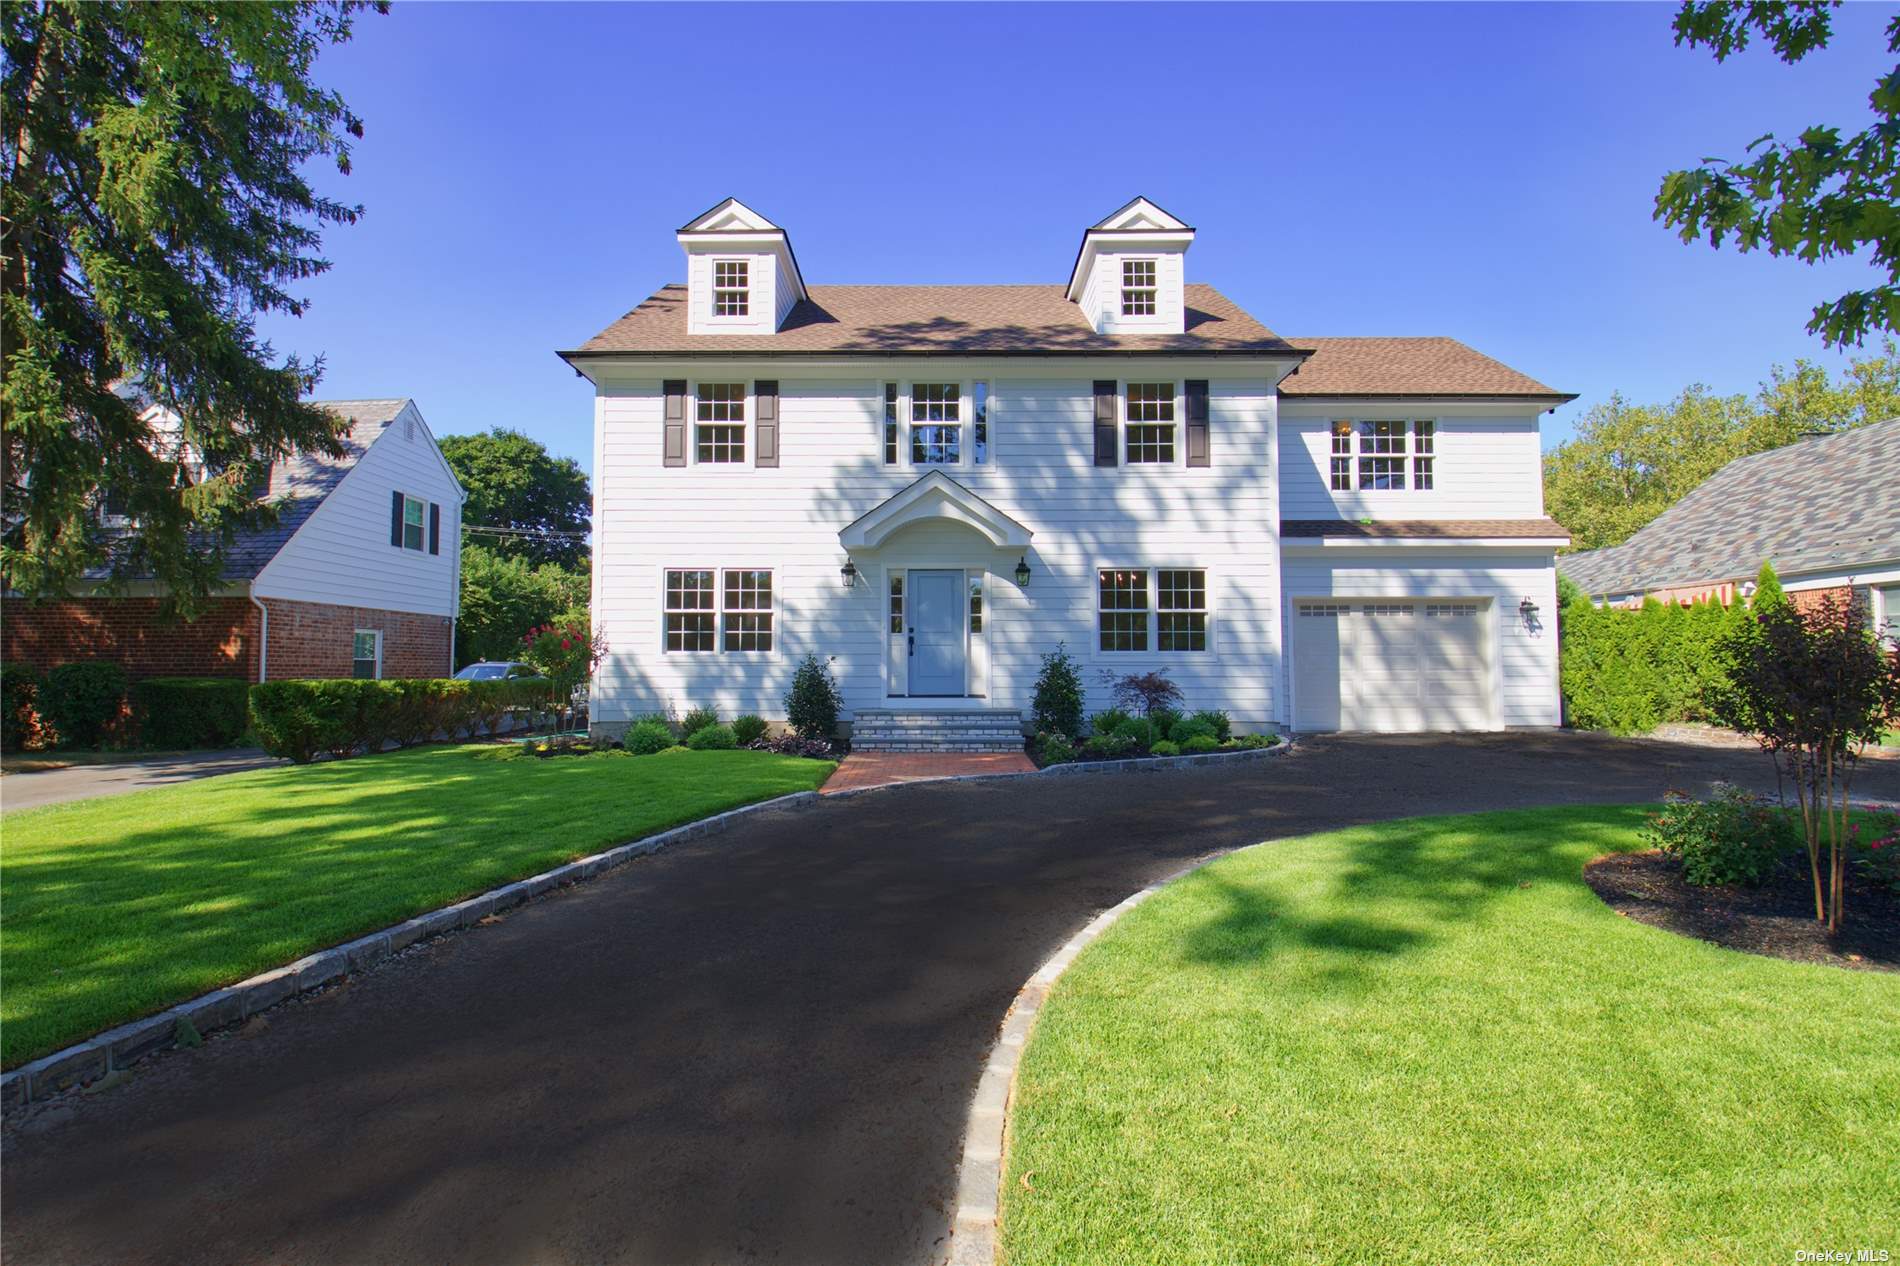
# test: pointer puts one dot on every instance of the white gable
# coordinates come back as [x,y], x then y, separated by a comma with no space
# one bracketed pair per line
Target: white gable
[1142,214]
[729,216]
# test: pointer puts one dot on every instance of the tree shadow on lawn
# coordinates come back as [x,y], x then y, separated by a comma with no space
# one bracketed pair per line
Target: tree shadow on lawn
[1372,894]
[117,907]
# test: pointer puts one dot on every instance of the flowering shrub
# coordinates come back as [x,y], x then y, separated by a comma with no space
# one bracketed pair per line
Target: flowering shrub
[795,745]
[1053,749]
[1112,746]
[1733,837]
[565,652]
[1877,851]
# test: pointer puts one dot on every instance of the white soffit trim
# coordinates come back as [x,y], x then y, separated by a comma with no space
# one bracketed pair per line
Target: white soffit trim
[934,497]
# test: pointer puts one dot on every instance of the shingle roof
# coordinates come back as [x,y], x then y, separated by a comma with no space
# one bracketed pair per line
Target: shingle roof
[1399,367]
[1423,529]
[874,320]
[1822,504]
[302,482]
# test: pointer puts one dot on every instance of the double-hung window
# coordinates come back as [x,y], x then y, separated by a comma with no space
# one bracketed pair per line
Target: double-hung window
[719,434]
[1342,457]
[1386,450]
[1174,621]
[732,291]
[1150,410]
[890,424]
[729,610]
[413,511]
[1381,456]
[980,422]
[366,654]
[936,424]
[1423,434]
[1138,287]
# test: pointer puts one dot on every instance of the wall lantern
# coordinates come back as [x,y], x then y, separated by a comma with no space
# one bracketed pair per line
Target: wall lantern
[1528,610]
[848,573]
[1748,589]
[1022,572]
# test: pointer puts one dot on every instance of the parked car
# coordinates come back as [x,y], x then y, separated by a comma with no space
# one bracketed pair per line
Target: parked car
[496,670]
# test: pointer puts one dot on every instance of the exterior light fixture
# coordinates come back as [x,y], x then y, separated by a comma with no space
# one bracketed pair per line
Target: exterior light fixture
[848,573]
[1748,589]
[1528,610]
[1022,572]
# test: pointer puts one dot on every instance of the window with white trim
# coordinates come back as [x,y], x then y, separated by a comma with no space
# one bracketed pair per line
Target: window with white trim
[1174,621]
[689,611]
[1122,609]
[1342,457]
[980,422]
[1138,287]
[897,602]
[1387,449]
[366,654]
[1423,435]
[1381,456]
[890,424]
[719,423]
[976,604]
[732,289]
[936,424]
[1180,609]
[1150,422]
[747,614]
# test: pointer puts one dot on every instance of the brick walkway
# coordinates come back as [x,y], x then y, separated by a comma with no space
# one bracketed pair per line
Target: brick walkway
[879,769]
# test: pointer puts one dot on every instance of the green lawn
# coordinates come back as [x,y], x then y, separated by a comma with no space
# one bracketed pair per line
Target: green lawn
[1429,1041]
[117,907]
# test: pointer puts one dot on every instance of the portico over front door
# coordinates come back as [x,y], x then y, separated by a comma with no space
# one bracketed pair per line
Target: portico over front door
[937,636]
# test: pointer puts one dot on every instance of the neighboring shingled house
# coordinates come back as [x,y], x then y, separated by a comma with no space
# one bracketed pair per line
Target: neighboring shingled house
[359,576]
[1824,510]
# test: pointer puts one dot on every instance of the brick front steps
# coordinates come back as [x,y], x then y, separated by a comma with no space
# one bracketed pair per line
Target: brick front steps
[927,730]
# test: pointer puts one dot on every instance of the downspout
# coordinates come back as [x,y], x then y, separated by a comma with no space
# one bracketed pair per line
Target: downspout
[263,635]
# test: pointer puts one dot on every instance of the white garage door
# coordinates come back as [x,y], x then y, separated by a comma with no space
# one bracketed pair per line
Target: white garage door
[1392,664]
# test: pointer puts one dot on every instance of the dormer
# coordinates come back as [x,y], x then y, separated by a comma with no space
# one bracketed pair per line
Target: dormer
[1128,276]
[741,275]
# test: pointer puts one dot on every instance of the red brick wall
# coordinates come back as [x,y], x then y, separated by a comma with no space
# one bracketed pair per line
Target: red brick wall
[220,642]
[1805,600]
[309,639]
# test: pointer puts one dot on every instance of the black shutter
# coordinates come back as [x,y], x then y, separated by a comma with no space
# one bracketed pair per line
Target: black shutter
[675,450]
[1107,439]
[1197,422]
[395,519]
[435,528]
[765,450]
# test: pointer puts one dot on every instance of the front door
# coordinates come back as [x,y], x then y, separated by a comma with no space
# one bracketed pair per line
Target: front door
[937,633]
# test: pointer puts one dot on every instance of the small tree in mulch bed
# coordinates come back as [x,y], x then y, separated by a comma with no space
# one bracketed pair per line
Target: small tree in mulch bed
[1814,687]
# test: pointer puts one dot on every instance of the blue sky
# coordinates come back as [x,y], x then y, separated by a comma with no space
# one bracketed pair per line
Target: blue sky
[1482,171]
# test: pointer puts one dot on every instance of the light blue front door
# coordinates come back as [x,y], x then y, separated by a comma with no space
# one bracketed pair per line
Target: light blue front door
[937,638]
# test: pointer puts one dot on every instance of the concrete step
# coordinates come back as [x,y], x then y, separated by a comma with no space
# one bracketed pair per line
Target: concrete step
[923,730]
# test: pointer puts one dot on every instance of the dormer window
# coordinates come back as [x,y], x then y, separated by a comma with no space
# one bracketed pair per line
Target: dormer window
[1138,287]
[732,292]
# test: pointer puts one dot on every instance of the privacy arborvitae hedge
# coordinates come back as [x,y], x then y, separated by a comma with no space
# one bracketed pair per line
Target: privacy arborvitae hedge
[1630,671]
[187,712]
[305,719]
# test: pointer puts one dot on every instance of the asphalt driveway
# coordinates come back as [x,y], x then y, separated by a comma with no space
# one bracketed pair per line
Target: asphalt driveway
[757,1047]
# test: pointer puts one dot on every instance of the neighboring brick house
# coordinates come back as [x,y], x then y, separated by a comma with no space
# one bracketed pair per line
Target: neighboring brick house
[359,576]
[1824,510]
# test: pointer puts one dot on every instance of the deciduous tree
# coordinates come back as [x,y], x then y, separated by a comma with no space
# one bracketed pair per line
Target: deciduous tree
[535,505]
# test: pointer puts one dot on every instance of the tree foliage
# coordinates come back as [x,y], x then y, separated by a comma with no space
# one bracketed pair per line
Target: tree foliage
[155,202]
[502,598]
[1814,687]
[1819,197]
[1630,671]
[1628,463]
[538,504]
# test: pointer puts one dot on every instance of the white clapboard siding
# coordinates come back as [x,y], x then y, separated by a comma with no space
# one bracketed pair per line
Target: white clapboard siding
[1483,467]
[342,555]
[1526,651]
[1222,518]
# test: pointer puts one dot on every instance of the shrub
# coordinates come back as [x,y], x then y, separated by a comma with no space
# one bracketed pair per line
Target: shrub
[1222,723]
[748,729]
[1165,748]
[186,712]
[1106,721]
[695,720]
[81,701]
[813,703]
[1734,837]
[1111,746]
[19,688]
[1138,732]
[1199,744]
[1878,851]
[712,738]
[795,745]
[1143,692]
[303,719]
[1164,720]
[1252,742]
[1196,726]
[1629,671]
[648,737]
[1057,705]
[1053,749]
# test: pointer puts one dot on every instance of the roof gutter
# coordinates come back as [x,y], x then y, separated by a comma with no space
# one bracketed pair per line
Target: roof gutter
[263,633]
[1057,353]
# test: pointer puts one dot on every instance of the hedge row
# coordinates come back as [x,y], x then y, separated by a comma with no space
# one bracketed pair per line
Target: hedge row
[84,704]
[1630,671]
[306,719]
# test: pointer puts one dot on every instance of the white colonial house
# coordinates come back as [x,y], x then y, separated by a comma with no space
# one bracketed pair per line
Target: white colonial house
[933,486]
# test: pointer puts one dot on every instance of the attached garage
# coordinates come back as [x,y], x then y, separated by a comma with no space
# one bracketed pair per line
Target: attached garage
[1394,664]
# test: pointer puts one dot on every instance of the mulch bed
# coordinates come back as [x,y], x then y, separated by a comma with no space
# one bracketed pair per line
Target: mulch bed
[1776,919]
